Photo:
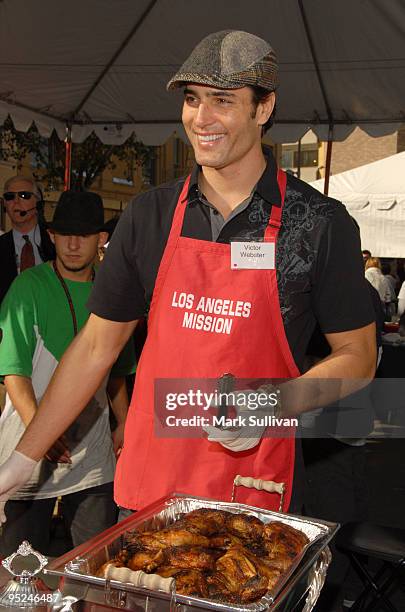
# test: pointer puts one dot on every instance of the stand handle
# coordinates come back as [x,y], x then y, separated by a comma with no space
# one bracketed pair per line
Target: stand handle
[261,485]
[139,578]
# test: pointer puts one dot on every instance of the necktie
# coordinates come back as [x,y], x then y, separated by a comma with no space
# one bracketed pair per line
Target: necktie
[27,255]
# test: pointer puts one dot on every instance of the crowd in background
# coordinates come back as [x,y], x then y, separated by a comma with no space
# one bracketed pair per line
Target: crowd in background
[47,274]
[388,278]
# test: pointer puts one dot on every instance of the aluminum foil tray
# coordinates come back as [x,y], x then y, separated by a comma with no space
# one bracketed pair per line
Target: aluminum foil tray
[83,562]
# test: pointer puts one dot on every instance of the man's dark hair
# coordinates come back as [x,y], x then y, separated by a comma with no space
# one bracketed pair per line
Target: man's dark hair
[259,94]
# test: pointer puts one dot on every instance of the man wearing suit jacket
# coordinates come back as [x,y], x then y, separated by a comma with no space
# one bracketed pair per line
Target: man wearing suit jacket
[21,198]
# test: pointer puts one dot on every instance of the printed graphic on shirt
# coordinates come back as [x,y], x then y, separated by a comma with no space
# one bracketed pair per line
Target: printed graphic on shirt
[302,225]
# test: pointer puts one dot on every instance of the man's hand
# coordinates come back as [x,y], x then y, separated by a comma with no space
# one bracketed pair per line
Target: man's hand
[243,435]
[118,439]
[117,392]
[81,371]
[14,473]
[235,439]
[59,451]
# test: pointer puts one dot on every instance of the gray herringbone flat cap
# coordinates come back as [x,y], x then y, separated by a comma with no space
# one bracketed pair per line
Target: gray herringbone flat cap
[229,59]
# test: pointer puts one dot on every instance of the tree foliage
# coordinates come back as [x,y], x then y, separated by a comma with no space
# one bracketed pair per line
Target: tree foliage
[89,158]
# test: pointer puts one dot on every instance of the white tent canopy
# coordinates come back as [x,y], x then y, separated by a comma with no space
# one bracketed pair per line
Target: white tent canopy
[103,64]
[374,195]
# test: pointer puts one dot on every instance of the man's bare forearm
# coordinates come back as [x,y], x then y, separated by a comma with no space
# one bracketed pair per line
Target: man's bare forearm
[22,396]
[349,367]
[117,392]
[79,374]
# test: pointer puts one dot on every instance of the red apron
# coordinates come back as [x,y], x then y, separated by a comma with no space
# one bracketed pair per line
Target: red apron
[256,346]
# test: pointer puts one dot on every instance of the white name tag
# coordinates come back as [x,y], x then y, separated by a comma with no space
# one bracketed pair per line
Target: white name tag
[252,255]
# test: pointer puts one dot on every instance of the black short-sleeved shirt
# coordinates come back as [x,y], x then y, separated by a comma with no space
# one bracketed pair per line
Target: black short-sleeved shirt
[320,270]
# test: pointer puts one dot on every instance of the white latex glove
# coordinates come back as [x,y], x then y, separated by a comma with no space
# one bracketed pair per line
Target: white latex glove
[235,439]
[14,473]
[246,435]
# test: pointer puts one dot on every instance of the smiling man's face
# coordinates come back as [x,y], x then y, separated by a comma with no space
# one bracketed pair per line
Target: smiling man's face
[223,126]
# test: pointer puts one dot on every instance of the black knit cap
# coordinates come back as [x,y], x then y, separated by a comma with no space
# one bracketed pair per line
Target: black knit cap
[228,60]
[78,213]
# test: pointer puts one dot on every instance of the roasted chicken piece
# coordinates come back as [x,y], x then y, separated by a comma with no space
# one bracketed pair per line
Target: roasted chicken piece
[146,560]
[168,572]
[282,544]
[206,521]
[245,526]
[268,570]
[156,540]
[257,566]
[236,567]
[237,576]
[253,589]
[187,557]
[277,532]
[218,588]
[223,541]
[188,582]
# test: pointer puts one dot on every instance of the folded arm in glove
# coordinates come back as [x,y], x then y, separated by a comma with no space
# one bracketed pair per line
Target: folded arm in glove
[245,435]
[14,473]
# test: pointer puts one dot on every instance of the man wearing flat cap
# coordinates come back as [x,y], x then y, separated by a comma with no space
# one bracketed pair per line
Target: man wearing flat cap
[41,314]
[235,265]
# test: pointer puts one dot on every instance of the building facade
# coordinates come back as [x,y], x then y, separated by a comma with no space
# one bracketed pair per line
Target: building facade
[306,159]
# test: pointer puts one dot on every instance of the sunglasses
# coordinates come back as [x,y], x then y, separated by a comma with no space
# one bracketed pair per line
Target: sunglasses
[23,195]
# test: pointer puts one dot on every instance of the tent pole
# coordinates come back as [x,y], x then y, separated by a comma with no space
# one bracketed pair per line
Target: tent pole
[323,90]
[328,159]
[68,157]
[299,159]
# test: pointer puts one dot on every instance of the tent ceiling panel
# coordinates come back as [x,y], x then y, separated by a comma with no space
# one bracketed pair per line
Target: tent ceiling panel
[97,61]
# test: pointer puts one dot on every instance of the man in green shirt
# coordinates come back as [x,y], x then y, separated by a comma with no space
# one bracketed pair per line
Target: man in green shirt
[42,312]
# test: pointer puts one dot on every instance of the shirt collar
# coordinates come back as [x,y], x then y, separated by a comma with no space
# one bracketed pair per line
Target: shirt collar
[18,236]
[266,188]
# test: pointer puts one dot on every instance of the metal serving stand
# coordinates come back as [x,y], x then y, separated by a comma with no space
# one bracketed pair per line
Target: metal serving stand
[26,590]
